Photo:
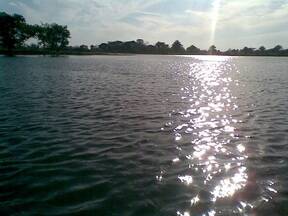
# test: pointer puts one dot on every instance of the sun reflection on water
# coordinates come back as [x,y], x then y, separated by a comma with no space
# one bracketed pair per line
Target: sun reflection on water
[214,128]
[215,156]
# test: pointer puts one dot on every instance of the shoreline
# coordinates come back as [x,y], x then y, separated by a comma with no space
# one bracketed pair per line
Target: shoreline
[91,53]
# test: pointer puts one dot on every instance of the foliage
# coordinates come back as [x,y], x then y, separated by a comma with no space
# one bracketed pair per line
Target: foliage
[161,47]
[193,50]
[52,36]
[13,31]
[177,47]
[212,50]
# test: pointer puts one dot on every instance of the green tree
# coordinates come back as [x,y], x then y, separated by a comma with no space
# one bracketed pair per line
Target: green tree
[192,50]
[277,48]
[162,47]
[177,47]
[262,49]
[140,42]
[13,31]
[247,51]
[212,50]
[52,36]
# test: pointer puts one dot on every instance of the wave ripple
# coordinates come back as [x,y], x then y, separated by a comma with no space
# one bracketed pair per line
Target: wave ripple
[143,135]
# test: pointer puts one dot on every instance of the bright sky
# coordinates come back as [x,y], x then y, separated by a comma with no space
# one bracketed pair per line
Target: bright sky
[226,23]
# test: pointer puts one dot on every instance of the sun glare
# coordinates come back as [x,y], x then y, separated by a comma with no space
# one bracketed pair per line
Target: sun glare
[214,19]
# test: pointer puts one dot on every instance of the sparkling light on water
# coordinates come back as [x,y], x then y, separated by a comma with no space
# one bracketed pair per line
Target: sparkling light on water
[211,127]
[212,153]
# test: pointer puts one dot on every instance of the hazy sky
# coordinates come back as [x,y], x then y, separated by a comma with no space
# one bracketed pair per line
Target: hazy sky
[236,22]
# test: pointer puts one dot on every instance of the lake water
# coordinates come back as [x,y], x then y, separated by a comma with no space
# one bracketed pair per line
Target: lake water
[144,135]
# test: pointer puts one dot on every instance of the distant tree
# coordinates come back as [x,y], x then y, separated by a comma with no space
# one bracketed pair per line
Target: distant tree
[193,50]
[232,52]
[212,50]
[141,46]
[161,45]
[262,49]
[247,51]
[103,47]
[13,31]
[53,36]
[140,42]
[93,47]
[277,48]
[151,49]
[115,46]
[177,47]
[84,47]
[32,46]
[130,47]
[162,48]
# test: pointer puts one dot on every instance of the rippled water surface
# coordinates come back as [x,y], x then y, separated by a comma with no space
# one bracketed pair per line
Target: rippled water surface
[144,135]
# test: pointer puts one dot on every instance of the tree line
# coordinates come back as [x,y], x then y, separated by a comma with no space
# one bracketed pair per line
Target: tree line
[140,47]
[15,34]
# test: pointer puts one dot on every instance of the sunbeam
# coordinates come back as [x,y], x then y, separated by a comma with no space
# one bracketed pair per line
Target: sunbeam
[214,19]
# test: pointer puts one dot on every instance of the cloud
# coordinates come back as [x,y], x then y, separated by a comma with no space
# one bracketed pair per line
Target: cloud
[253,22]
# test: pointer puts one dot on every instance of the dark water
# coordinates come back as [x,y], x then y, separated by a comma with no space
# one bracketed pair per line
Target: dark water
[143,135]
